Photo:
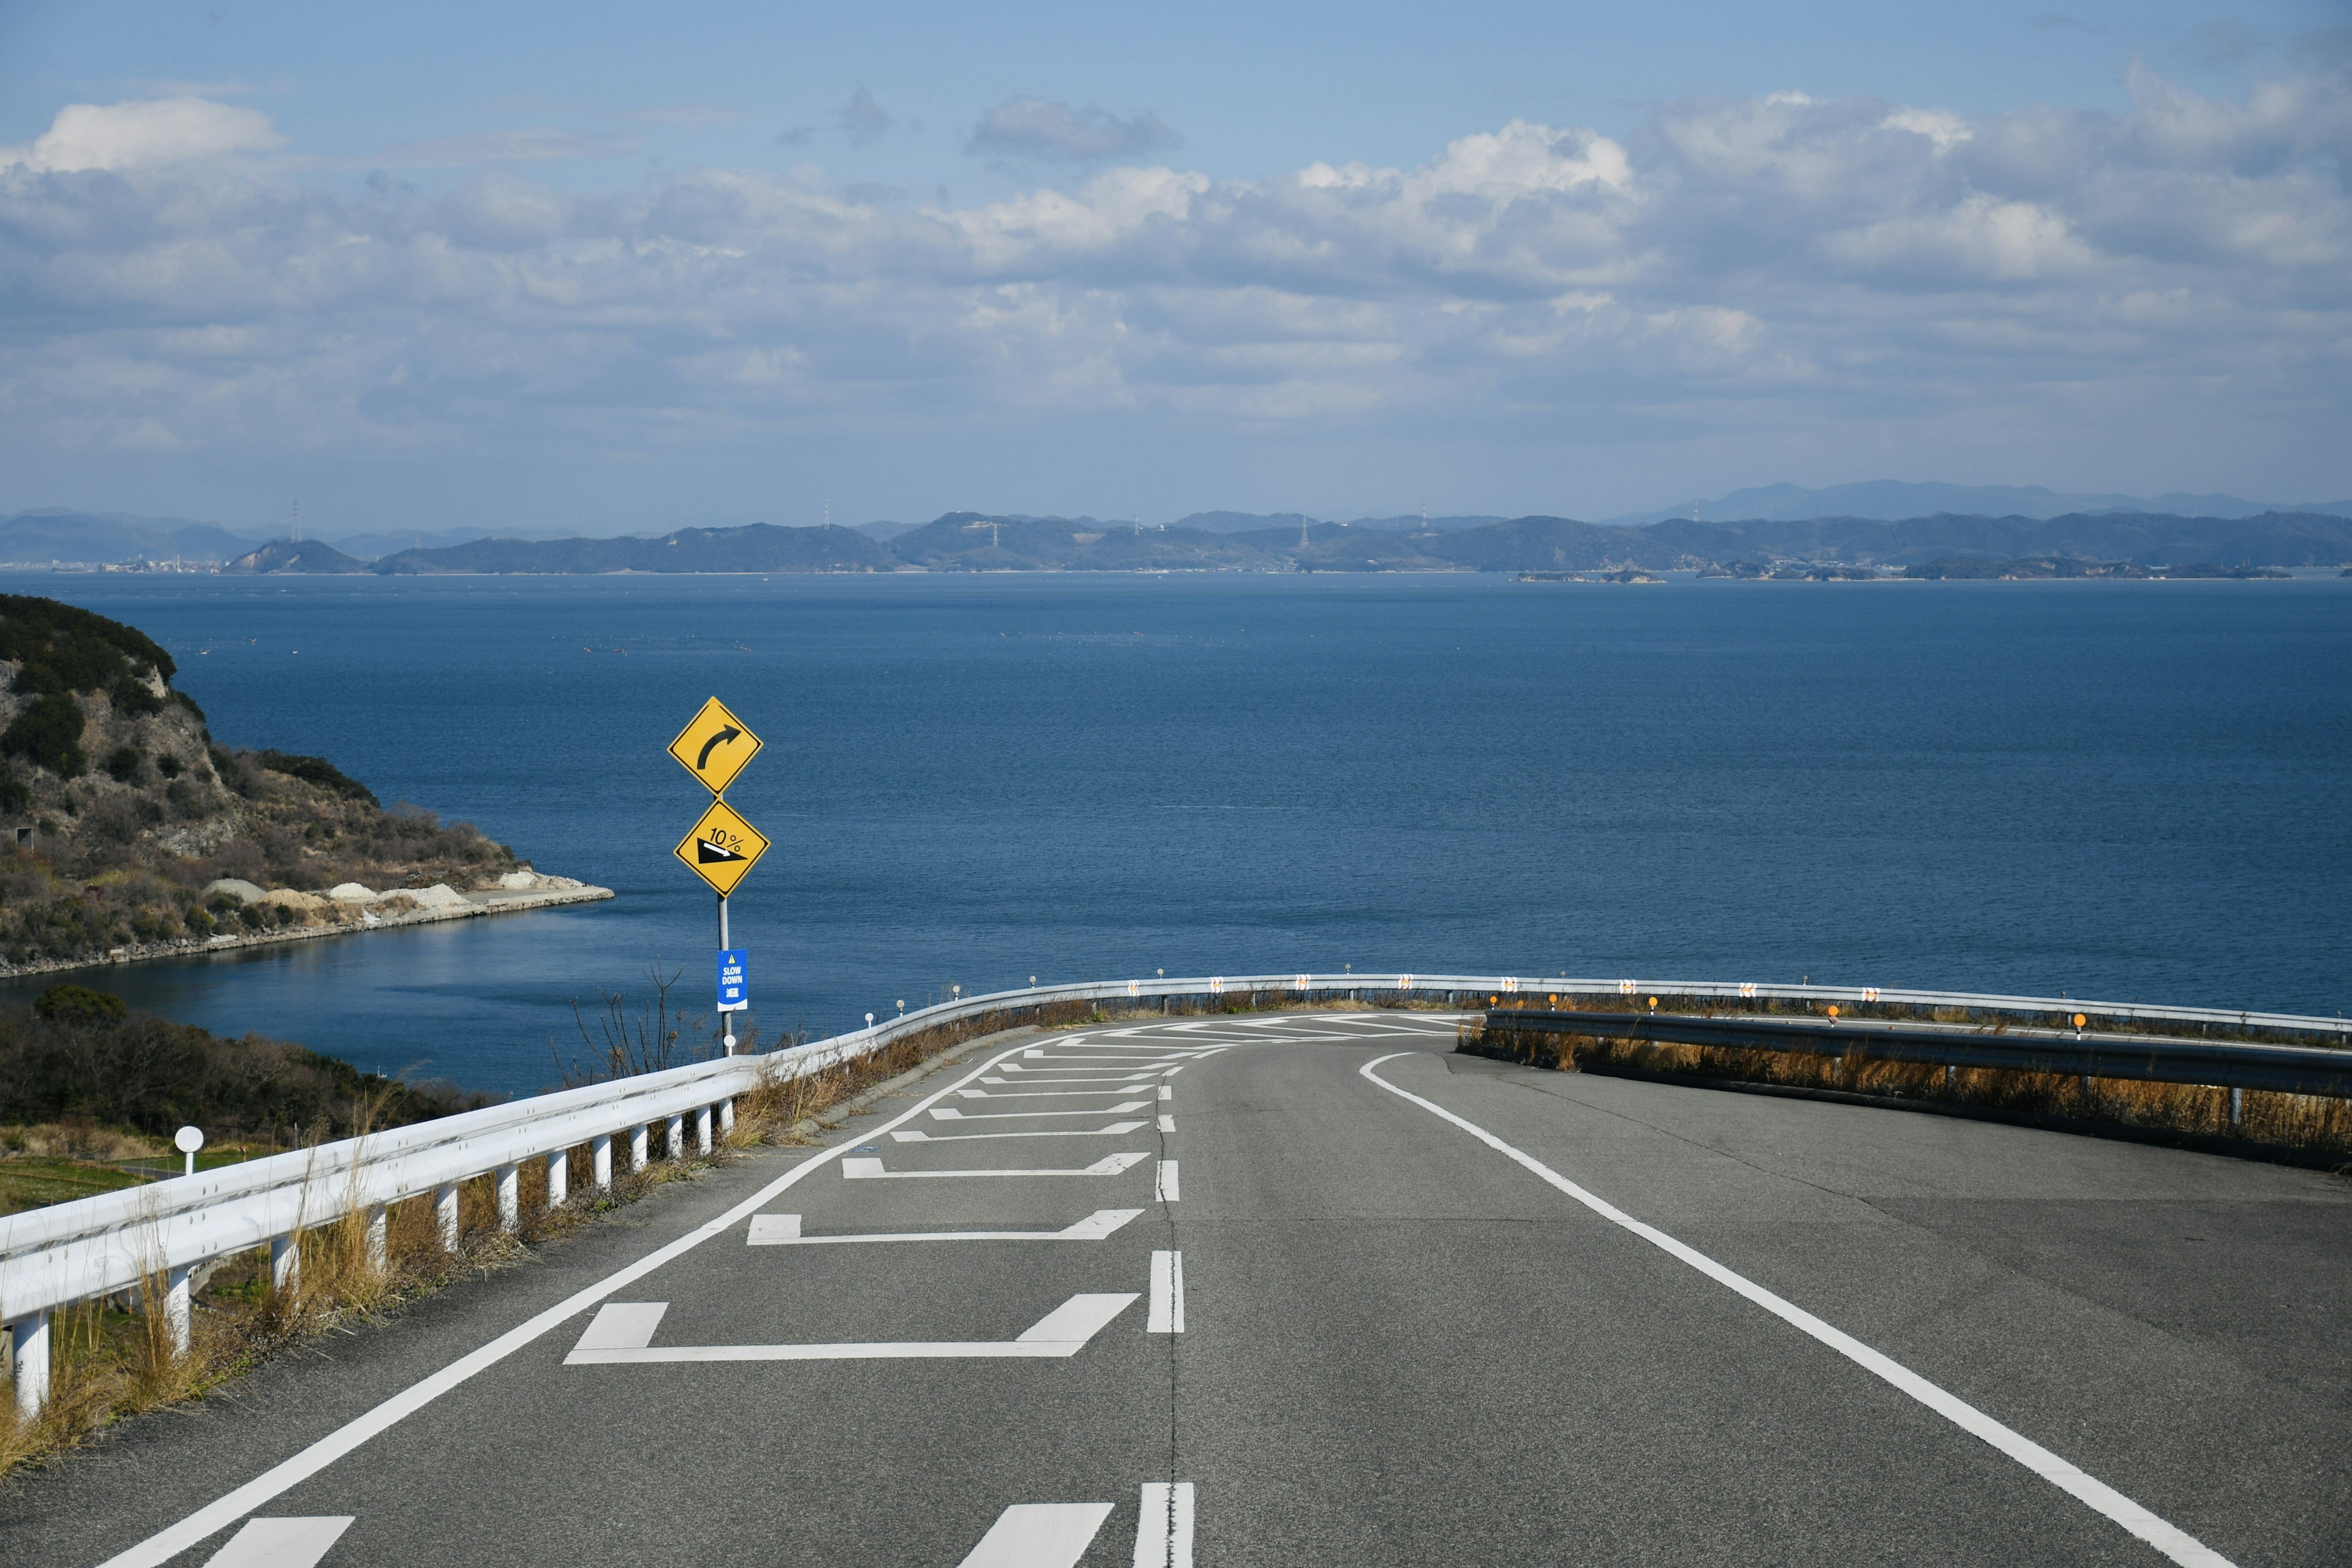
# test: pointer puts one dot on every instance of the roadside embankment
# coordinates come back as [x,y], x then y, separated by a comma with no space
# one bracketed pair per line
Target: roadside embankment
[2299,1129]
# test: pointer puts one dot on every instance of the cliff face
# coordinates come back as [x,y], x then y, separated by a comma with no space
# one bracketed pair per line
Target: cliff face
[118,813]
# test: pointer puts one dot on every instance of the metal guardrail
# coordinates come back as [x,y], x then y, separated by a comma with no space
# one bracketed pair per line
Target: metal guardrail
[117,1242]
[2283,1070]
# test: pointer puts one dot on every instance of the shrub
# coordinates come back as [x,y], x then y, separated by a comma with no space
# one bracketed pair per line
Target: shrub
[167,765]
[79,1004]
[49,732]
[316,770]
[122,765]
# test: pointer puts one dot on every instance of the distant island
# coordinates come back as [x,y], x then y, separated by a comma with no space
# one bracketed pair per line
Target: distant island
[2103,543]
[126,832]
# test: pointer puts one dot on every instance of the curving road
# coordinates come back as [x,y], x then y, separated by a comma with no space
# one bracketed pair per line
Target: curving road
[1309,1289]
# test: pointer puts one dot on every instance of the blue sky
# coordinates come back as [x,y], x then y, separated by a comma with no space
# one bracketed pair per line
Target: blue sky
[608,266]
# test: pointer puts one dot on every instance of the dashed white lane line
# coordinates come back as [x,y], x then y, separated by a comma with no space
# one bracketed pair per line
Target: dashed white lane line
[1039,1535]
[1163,1530]
[227,1510]
[1167,1091]
[784,1230]
[1062,1332]
[2169,1539]
[280,1542]
[950,1113]
[871,1170]
[1166,1313]
[1168,1124]
[916,1135]
[1163,1186]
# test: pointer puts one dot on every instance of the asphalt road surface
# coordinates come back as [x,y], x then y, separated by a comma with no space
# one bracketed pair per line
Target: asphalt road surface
[1307,1288]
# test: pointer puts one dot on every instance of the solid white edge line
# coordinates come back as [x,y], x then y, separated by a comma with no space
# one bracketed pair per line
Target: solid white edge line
[169,1542]
[2169,1539]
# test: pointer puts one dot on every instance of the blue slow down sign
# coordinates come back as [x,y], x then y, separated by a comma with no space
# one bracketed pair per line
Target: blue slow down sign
[734,991]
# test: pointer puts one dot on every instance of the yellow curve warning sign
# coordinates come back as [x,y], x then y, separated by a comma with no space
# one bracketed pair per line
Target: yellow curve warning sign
[722,846]
[714,747]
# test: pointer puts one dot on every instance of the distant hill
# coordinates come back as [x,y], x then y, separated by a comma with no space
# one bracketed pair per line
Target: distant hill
[974,542]
[760,547]
[1890,501]
[89,537]
[373,546]
[305,557]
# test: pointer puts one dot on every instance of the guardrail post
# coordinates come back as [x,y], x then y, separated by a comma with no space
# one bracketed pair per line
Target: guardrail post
[677,1136]
[177,1313]
[702,1129]
[509,1198]
[2237,1107]
[28,1364]
[445,1215]
[639,1136]
[727,1116]
[558,1178]
[379,1240]
[600,1160]
[285,1264]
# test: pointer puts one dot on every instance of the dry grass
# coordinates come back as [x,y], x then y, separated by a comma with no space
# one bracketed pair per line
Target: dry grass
[2311,1123]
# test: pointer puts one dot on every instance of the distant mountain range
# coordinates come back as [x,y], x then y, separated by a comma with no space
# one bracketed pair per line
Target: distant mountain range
[56,534]
[972,541]
[1245,542]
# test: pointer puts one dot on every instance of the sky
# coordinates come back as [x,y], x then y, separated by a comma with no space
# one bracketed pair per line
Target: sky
[614,268]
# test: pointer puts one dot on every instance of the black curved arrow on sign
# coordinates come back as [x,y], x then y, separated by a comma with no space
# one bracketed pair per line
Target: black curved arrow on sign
[729,734]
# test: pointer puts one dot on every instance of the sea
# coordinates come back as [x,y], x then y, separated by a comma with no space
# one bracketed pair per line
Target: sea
[2127,791]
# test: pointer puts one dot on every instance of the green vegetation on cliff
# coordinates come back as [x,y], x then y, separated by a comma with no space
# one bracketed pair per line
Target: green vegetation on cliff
[119,813]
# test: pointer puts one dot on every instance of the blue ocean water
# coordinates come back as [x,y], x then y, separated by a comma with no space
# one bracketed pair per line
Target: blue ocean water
[2114,789]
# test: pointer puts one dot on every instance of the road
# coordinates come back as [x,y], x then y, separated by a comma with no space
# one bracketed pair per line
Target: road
[1309,1289]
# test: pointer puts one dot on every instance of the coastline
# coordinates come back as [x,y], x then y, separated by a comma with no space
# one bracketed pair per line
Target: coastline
[491,901]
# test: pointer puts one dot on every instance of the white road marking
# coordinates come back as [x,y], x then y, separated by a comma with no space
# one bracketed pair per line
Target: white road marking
[622,1325]
[1163,1186]
[784,1230]
[1163,1530]
[280,1542]
[1062,1332]
[1063,1075]
[1166,1090]
[1132,1081]
[1046,1093]
[872,1171]
[917,1135]
[223,1512]
[950,1113]
[1039,1535]
[2169,1539]
[1168,1124]
[1166,1315]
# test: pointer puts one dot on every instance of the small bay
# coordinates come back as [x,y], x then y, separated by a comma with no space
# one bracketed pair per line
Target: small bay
[2113,790]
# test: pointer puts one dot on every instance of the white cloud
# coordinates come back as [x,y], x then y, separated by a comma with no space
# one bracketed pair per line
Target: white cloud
[1853,255]
[152,134]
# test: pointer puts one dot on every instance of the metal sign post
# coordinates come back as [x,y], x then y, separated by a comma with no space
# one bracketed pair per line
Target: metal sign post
[721,848]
